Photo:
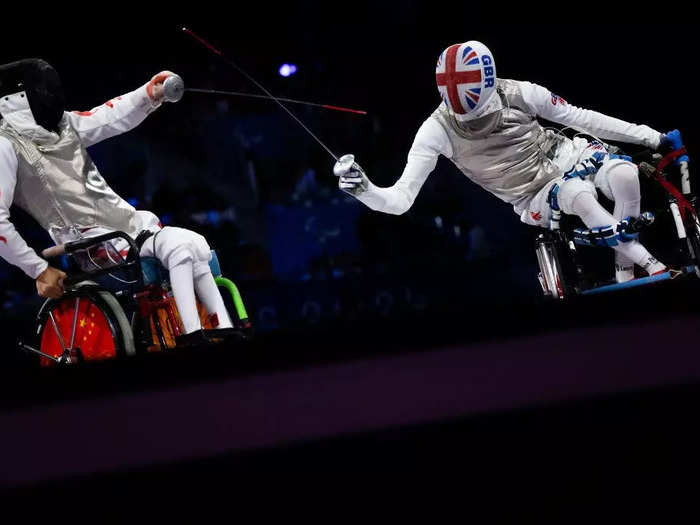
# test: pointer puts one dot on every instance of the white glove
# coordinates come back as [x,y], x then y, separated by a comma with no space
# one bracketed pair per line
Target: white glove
[352,177]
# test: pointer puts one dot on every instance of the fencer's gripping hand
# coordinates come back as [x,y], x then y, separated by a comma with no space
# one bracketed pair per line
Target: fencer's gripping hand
[352,178]
[673,141]
[49,284]
[154,88]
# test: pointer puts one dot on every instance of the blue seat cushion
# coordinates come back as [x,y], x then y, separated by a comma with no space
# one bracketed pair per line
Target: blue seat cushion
[154,272]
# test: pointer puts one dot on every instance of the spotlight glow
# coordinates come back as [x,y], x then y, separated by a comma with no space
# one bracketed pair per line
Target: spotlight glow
[287,70]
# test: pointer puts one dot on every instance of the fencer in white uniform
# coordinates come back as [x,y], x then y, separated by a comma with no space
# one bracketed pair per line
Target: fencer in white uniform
[488,128]
[46,170]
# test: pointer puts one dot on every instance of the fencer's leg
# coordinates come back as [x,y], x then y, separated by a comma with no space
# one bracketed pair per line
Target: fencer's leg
[209,294]
[624,183]
[623,178]
[620,182]
[186,255]
[624,267]
[174,249]
[578,197]
[183,291]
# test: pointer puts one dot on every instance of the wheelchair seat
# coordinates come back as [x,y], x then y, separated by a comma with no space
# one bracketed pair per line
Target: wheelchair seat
[155,273]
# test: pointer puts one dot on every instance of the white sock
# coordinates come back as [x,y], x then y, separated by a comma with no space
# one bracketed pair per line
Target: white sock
[208,293]
[624,268]
[181,277]
[651,265]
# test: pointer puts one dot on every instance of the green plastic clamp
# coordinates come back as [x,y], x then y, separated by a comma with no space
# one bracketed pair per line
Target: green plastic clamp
[235,294]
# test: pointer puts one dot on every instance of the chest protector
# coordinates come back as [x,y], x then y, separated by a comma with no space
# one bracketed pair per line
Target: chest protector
[61,188]
[507,152]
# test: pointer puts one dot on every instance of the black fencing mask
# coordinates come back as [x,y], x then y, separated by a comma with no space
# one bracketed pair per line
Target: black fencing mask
[40,81]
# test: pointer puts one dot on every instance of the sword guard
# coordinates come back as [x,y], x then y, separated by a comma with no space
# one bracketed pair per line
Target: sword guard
[343,165]
[173,88]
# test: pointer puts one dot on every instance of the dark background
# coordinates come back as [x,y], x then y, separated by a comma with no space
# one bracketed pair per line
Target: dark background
[314,266]
[245,175]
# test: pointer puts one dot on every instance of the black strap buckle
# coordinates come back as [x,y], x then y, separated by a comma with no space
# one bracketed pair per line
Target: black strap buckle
[142,237]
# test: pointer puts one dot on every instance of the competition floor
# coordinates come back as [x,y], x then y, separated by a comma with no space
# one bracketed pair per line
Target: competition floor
[241,404]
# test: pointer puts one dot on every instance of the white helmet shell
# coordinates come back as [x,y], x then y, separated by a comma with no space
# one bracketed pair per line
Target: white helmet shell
[466,80]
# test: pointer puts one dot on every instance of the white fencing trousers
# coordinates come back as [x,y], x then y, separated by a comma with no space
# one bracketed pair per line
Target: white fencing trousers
[578,197]
[186,256]
[618,180]
[208,293]
[183,290]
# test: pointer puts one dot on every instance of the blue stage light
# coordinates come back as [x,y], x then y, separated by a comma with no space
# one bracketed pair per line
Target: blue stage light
[287,70]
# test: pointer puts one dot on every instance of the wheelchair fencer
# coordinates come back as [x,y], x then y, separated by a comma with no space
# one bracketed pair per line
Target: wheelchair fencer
[561,272]
[119,303]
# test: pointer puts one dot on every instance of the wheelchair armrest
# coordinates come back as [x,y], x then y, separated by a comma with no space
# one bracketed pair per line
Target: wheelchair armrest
[81,244]
[54,251]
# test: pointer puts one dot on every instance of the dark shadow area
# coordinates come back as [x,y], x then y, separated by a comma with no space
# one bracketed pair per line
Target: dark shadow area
[24,384]
[577,453]
[429,330]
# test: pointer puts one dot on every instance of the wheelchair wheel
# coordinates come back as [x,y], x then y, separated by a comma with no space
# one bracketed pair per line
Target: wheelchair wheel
[551,275]
[89,321]
[693,239]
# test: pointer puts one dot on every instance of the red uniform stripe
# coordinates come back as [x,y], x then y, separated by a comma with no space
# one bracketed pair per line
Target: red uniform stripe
[450,69]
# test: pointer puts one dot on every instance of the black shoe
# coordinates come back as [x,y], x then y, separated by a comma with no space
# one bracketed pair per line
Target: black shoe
[196,338]
[210,337]
[227,334]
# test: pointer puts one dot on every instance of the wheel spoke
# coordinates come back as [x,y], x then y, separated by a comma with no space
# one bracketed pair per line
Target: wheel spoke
[89,327]
[75,321]
[58,332]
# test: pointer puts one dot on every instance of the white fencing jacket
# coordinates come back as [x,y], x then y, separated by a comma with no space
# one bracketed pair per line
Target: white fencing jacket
[511,155]
[52,177]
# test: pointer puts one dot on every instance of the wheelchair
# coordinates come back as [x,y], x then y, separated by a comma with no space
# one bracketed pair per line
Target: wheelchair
[119,304]
[561,271]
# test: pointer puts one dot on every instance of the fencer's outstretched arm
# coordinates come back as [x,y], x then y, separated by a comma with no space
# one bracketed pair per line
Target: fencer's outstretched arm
[430,142]
[120,114]
[545,104]
[13,247]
